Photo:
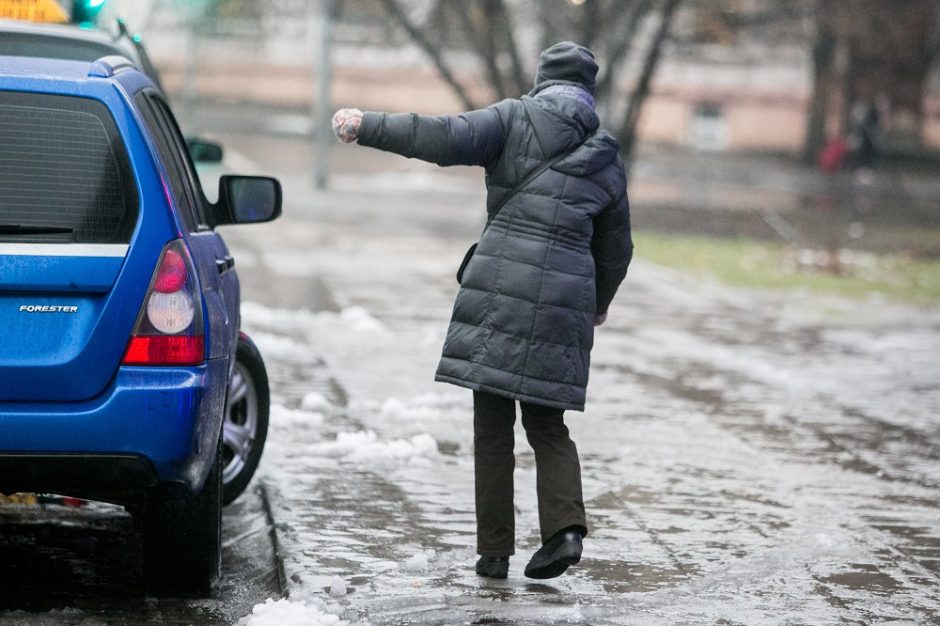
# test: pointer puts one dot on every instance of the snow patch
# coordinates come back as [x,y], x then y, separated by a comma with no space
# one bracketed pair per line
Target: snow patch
[315,401]
[284,416]
[350,319]
[284,611]
[425,407]
[393,408]
[278,347]
[419,563]
[337,586]
[359,320]
[365,446]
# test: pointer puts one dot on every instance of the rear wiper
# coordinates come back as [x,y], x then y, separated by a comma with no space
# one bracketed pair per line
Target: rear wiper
[20,229]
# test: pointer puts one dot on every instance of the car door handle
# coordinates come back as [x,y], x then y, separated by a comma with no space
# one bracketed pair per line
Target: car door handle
[225,264]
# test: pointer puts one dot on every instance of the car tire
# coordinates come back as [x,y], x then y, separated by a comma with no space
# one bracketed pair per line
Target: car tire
[245,428]
[183,537]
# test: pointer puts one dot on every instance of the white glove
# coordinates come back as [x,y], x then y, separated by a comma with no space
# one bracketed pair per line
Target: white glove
[346,124]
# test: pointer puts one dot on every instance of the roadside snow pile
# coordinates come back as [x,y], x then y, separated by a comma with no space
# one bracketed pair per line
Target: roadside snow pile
[359,320]
[278,347]
[315,401]
[283,416]
[337,586]
[354,319]
[425,407]
[365,446]
[284,611]
[419,563]
[448,417]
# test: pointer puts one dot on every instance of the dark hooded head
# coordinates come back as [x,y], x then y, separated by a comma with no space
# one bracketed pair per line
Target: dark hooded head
[566,63]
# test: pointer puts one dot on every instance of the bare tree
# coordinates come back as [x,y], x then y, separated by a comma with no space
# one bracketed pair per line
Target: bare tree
[868,50]
[651,60]
[864,51]
[433,50]
[492,31]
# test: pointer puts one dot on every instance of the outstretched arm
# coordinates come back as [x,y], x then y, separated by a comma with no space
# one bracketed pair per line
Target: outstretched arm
[473,138]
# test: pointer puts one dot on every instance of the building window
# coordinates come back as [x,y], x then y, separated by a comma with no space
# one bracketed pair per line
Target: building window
[708,128]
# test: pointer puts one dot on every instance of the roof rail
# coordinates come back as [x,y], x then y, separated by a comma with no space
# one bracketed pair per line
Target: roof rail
[108,66]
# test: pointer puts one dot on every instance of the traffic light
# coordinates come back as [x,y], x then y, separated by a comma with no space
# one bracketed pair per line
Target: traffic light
[86,11]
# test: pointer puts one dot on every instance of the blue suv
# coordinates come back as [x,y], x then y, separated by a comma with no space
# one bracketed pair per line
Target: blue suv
[119,306]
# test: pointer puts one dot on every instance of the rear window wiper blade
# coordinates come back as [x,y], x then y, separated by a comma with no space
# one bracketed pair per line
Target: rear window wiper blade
[21,229]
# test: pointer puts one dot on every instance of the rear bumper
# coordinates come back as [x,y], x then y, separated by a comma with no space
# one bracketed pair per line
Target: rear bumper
[112,478]
[153,424]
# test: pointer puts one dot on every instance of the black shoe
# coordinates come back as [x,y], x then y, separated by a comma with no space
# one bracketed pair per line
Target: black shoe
[553,558]
[493,566]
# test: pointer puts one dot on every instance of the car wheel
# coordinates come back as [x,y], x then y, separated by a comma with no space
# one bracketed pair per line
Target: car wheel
[183,537]
[245,428]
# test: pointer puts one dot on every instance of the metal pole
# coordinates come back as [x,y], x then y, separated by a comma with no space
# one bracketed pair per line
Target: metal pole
[192,64]
[322,109]
[196,21]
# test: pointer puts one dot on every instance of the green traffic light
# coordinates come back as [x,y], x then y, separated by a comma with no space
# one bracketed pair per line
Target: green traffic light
[85,12]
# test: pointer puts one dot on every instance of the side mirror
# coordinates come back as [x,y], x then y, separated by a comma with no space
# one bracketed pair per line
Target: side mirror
[247,200]
[203,151]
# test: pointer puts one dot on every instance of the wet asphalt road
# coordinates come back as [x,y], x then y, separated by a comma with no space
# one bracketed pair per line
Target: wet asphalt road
[68,565]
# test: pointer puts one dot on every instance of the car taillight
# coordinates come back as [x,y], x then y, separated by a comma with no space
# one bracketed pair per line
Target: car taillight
[164,351]
[169,326]
[171,273]
[170,313]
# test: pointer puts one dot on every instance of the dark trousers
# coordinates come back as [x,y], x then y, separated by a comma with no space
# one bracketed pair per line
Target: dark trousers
[558,473]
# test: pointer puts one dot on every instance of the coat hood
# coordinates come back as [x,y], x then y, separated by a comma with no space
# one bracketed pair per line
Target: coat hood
[560,123]
[597,153]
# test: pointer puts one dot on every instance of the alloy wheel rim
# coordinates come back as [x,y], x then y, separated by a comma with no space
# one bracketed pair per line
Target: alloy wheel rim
[241,423]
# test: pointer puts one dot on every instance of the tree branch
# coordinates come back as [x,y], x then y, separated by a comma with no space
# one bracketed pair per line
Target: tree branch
[395,10]
[589,21]
[520,78]
[481,38]
[788,12]
[549,27]
[627,133]
[619,46]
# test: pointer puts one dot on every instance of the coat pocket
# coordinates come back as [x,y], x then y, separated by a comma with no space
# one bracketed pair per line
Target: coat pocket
[465,263]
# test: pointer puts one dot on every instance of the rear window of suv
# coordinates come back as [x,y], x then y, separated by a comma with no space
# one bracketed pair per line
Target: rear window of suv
[64,172]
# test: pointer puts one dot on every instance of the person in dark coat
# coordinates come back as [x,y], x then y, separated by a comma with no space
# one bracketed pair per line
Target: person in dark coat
[543,276]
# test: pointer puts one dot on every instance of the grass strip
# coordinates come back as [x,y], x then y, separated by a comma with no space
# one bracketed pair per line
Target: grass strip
[757,264]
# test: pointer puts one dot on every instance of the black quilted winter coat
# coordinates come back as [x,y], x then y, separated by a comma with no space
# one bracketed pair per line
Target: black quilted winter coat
[523,321]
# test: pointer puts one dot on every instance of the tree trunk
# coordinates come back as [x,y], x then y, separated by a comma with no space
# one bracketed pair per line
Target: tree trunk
[618,46]
[520,79]
[824,55]
[397,12]
[627,133]
[589,23]
[479,30]
[550,31]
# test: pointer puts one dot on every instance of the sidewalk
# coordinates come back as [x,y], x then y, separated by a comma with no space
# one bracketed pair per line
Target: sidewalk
[747,459]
